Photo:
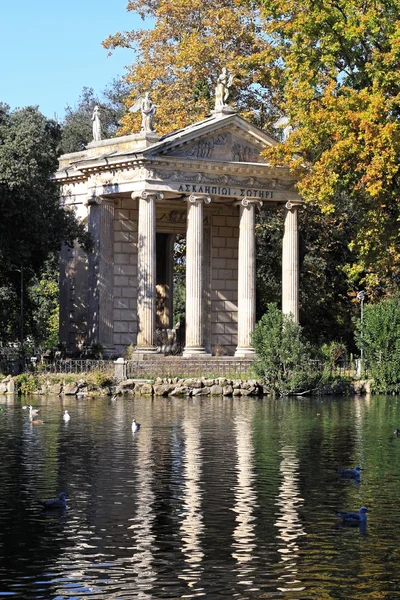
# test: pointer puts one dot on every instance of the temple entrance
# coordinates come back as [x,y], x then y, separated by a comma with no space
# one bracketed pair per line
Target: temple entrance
[170,292]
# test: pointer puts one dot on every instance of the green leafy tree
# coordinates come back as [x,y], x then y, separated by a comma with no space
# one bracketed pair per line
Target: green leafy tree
[33,225]
[336,67]
[77,124]
[282,354]
[379,337]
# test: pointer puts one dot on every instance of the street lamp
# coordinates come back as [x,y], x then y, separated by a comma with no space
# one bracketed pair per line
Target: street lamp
[361,298]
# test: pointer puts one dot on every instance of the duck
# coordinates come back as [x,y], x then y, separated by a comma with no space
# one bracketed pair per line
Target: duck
[353,517]
[135,425]
[350,473]
[66,416]
[60,502]
[33,411]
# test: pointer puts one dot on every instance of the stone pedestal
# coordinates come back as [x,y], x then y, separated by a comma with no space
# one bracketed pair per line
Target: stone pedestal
[101,273]
[146,303]
[194,345]
[290,263]
[246,278]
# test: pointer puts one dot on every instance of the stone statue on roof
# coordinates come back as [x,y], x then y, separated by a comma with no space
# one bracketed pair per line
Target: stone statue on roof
[96,124]
[224,82]
[148,110]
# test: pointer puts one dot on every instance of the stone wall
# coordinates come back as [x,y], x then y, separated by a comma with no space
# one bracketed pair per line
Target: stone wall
[224,294]
[125,273]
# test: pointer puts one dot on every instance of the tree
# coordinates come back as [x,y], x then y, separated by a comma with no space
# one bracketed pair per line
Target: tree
[77,125]
[33,225]
[339,82]
[379,337]
[179,59]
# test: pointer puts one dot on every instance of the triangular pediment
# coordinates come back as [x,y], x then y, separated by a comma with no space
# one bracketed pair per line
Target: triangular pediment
[227,139]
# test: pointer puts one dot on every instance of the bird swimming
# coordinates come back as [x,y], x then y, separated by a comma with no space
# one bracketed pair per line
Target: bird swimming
[350,473]
[66,416]
[60,502]
[33,411]
[135,425]
[353,517]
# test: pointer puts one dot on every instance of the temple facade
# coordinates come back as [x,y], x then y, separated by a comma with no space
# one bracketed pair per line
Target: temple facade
[137,193]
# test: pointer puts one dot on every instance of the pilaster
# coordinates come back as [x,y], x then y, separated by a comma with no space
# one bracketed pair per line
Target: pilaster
[101,273]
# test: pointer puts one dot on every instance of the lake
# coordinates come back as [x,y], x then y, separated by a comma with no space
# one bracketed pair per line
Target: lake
[214,498]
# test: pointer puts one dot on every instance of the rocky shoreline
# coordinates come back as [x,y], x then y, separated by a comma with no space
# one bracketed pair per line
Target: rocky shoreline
[103,385]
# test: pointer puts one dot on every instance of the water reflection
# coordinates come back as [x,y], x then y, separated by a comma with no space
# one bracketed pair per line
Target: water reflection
[141,527]
[192,526]
[245,499]
[288,522]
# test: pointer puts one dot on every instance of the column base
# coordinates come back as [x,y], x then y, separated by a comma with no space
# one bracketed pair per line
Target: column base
[141,350]
[244,353]
[195,352]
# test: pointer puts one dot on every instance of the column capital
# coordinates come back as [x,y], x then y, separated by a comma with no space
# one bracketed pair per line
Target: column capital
[250,201]
[93,200]
[145,195]
[291,205]
[193,198]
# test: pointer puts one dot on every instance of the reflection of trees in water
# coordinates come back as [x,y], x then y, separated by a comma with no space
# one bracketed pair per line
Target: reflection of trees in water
[288,522]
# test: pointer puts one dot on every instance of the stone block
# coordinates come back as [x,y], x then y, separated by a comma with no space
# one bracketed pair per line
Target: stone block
[219,220]
[146,389]
[227,253]
[128,292]
[162,390]
[224,273]
[121,280]
[232,221]
[216,390]
[121,259]
[121,302]
[128,226]
[225,232]
[227,390]
[237,392]
[70,389]
[229,328]
[219,242]
[121,214]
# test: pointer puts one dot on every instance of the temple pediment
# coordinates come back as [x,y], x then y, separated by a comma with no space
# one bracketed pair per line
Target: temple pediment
[227,139]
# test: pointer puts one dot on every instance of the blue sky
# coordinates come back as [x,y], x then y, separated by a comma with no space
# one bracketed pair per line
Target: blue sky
[50,50]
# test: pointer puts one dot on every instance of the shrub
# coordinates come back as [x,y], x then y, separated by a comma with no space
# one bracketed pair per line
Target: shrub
[379,337]
[282,354]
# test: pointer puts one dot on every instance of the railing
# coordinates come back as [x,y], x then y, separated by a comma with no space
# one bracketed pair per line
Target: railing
[184,367]
[75,366]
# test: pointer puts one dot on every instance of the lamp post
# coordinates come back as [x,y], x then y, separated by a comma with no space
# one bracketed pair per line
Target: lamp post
[361,298]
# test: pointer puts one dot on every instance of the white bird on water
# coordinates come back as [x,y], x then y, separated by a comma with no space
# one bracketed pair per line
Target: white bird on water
[33,411]
[66,416]
[135,425]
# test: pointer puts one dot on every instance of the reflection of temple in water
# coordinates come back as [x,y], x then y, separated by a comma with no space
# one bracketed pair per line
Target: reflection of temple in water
[245,502]
[192,526]
[288,522]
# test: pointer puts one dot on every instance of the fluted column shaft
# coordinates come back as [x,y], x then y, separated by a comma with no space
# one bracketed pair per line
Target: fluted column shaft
[290,262]
[194,276]
[246,277]
[146,303]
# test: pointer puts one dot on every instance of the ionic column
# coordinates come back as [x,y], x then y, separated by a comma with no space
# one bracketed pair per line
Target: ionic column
[194,276]
[290,263]
[146,302]
[246,277]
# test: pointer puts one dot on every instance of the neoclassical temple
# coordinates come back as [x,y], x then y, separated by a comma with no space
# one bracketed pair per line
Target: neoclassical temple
[137,193]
